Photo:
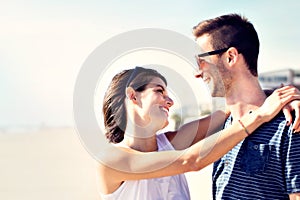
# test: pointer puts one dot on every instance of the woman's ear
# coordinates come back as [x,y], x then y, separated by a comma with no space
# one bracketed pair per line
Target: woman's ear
[131,94]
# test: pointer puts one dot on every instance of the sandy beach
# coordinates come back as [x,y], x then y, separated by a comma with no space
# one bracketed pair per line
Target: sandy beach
[52,164]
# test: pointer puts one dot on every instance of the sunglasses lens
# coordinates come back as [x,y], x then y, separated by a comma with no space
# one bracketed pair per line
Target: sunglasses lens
[201,62]
[197,70]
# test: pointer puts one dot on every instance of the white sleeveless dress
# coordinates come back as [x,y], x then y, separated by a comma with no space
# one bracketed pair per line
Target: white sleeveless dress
[165,188]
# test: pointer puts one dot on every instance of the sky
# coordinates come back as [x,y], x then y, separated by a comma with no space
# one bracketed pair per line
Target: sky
[44,44]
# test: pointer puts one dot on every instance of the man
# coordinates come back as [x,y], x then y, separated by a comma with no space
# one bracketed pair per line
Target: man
[266,165]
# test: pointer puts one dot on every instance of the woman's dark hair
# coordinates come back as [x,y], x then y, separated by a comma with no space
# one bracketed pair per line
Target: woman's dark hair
[114,109]
[232,30]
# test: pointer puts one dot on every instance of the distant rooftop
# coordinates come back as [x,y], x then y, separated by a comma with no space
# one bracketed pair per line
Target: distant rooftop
[273,79]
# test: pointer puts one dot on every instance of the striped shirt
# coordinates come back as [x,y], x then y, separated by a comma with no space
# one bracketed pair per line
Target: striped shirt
[266,165]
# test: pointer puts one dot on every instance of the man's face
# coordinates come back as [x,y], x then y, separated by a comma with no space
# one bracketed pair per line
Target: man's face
[211,68]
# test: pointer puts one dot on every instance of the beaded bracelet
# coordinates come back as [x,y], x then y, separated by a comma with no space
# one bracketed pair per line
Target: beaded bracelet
[245,129]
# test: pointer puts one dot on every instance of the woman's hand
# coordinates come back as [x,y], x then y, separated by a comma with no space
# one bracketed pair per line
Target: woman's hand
[283,97]
[287,110]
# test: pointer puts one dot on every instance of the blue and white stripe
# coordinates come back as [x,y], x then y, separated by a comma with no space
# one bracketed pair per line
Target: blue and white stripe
[266,165]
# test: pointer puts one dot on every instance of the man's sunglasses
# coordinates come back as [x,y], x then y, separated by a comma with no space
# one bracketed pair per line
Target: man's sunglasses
[210,53]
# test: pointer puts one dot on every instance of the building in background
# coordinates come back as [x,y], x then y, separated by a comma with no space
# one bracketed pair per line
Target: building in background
[273,79]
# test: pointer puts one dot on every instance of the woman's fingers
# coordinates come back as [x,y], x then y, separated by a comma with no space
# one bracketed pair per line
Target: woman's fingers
[288,115]
[289,96]
[296,107]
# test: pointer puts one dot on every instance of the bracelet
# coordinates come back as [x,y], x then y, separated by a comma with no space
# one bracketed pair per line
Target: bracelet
[245,129]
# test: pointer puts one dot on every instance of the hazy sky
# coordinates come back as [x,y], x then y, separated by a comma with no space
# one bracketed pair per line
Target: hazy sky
[44,43]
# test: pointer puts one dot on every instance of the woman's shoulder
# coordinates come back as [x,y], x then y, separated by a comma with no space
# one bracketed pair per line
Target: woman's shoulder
[114,154]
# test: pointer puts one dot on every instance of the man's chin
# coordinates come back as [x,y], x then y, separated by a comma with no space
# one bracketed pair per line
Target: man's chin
[215,91]
[217,94]
[211,88]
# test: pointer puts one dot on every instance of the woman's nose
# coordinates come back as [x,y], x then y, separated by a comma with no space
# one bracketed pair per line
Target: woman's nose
[170,101]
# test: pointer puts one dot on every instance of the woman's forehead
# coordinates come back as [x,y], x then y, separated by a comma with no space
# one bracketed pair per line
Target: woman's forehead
[158,81]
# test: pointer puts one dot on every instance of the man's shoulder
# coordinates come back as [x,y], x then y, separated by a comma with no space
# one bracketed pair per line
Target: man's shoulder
[278,119]
[276,126]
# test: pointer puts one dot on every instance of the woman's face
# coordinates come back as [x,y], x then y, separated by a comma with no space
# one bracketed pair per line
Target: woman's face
[154,104]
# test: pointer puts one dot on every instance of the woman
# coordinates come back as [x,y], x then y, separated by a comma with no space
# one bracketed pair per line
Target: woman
[143,165]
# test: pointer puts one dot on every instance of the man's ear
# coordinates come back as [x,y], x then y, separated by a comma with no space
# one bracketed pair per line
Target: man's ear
[232,55]
[131,94]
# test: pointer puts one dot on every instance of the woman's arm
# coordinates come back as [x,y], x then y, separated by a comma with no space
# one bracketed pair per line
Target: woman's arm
[119,164]
[190,133]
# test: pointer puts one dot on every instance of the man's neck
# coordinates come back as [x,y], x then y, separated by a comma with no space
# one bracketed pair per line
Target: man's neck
[244,96]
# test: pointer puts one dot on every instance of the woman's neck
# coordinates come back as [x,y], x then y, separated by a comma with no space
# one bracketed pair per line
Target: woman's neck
[140,143]
[140,134]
